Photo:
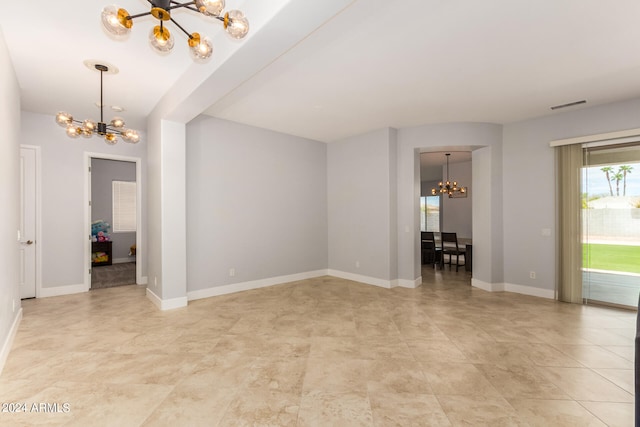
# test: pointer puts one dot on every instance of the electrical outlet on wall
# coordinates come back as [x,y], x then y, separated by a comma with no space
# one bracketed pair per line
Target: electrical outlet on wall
[357,264]
[232,272]
[532,275]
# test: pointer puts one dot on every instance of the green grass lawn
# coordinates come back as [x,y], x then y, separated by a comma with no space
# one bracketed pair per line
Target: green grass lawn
[611,257]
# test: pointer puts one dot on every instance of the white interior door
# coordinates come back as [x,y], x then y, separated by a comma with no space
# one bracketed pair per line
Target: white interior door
[27,230]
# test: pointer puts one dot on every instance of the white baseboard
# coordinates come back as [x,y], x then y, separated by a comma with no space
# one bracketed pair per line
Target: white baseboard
[62,290]
[253,284]
[516,289]
[123,260]
[388,284]
[262,283]
[530,290]
[166,304]
[8,342]
[412,284]
[489,287]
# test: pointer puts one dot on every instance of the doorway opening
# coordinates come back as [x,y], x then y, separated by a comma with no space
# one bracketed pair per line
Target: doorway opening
[440,212]
[113,221]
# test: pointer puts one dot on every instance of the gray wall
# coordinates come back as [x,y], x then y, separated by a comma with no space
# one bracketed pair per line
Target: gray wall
[256,203]
[362,190]
[529,184]
[63,195]
[9,196]
[103,173]
[426,186]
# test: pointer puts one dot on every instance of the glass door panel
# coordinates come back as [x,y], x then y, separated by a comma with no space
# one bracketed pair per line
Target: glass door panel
[611,225]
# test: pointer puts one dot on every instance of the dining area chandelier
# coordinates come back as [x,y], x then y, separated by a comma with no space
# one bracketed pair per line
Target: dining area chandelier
[118,22]
[448,187]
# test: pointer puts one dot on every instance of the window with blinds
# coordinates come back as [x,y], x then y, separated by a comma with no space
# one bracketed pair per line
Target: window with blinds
[124,206]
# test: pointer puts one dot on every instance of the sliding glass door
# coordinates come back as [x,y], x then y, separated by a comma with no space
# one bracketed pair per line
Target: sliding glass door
[610,214]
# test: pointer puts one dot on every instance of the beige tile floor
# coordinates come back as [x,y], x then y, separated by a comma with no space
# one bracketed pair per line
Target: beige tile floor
[322,352]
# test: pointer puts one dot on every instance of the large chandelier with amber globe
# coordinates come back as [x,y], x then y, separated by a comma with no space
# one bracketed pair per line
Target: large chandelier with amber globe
[118,22]
[448,187]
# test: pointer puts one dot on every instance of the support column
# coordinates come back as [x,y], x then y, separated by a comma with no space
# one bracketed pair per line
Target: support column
[167,286]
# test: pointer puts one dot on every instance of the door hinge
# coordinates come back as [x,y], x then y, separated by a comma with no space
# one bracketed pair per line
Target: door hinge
[89,168]
[89,272]
[89,202]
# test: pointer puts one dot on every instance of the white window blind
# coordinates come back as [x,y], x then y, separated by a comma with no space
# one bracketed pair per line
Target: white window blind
[124,206]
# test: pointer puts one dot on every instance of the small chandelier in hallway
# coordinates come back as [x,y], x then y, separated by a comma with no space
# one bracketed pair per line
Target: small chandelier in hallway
[448,187]
[88,128]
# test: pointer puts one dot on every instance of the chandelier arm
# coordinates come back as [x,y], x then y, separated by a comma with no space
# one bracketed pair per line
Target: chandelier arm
[179,5]
[180,26]
[113,130]
[131,17]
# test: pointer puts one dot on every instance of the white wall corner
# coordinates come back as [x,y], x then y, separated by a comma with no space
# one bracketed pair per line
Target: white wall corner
[362,279]
[215,291]
[166,304]
[489,287]
[412,284]
[8,343]
[530,290]
[62,290]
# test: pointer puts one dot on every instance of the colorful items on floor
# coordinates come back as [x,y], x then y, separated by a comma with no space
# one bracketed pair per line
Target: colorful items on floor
[99,257]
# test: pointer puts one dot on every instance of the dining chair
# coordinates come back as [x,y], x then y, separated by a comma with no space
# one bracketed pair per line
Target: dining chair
[430,253]
[449,246]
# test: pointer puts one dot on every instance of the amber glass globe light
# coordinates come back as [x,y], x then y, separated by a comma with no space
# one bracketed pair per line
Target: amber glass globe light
[115,21]
[110,139]
[210,7]
[200,48]
[117,122]
[131,136]
[236,24]
[161,39]
[73,132]
[64,119]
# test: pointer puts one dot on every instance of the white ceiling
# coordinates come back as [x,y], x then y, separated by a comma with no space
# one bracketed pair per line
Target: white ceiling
[369,65]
